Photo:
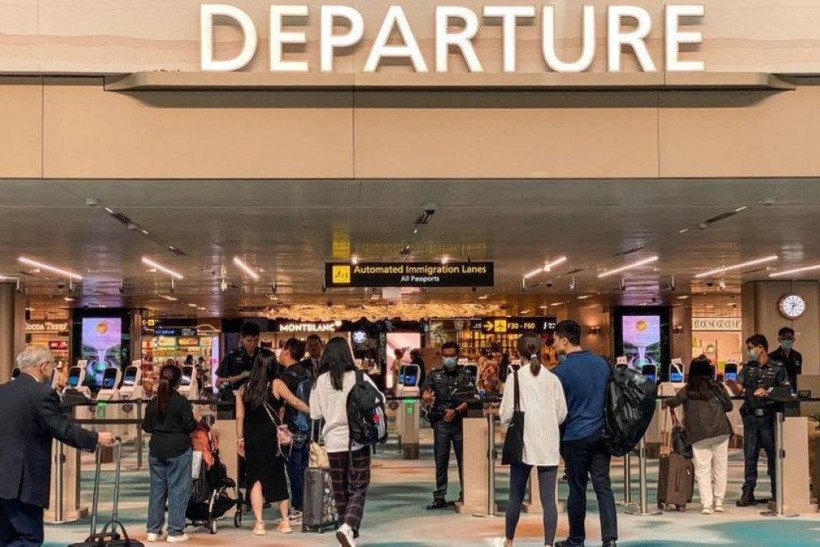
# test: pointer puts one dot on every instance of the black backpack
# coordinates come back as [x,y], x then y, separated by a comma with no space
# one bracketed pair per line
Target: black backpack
[630,406]
[299,422]
[366,418]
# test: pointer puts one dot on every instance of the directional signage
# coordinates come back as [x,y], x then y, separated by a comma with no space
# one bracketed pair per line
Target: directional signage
[513,325]
[409,274]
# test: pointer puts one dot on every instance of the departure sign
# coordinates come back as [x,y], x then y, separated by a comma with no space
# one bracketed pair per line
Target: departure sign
[410,274]
[513,325]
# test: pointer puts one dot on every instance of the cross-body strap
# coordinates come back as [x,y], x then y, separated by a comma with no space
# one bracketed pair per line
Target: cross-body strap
[516,393]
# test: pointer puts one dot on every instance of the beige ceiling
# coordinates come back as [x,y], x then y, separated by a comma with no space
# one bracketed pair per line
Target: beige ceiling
[288,229]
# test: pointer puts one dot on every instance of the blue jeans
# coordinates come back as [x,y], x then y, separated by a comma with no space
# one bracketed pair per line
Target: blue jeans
[758,432]
[170,482]
[296,465]
[21,524]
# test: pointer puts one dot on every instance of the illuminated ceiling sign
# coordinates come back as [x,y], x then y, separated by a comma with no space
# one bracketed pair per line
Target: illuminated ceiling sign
[514,325]
[342,29]
[410,274]
[308,327]
[717,324]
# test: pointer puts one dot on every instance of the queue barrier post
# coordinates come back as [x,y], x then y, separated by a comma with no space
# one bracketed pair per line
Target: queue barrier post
[139,434]
[642,509]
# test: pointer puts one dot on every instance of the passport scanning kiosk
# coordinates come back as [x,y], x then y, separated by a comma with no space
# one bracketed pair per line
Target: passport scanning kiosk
[131,390]
[110,391]
[730,372]
[478,470]
[76,379]
[188,385]
[408,415]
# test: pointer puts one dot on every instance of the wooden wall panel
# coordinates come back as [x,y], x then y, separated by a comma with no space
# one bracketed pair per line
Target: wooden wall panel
[21,123]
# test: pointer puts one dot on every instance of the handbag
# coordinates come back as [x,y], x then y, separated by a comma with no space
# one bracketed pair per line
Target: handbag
[680,440]
[284,436]
[317,457]
[109,537]
[514,441]
[728,421]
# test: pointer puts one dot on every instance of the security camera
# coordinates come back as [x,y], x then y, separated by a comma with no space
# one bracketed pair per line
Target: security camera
[92,202]
[122,287]
[654,299]
[172,286]
[672,284]
[430,208]
[324,288]
[710,283]
[622,285]
[474,289]
[329,303]
[223,286]
[273,287]
[18,286]
[60,285]
[572,285]
[548,283]
[722,285]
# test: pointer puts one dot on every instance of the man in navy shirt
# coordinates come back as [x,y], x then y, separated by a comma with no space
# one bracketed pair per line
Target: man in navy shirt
[585,377]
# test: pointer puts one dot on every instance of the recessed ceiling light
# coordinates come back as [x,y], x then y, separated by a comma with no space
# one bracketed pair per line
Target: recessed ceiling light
[244,267]
[584,296]
[148,262]
[763,260]
[202,308]
[68,299]
[683,231]
[795,271]
[59,271]
[485,296]
[683,297]
[523,312]
[637,264]
[354,260]
[554,304]
[144,232]
[166,297]
[444,260]
[192,305]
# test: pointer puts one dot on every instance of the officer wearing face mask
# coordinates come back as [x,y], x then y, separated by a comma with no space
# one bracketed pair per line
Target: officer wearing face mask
[787,355]
[442,392]
[755,382]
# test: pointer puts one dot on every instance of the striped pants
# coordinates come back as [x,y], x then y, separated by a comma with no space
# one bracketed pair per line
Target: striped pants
[351,478]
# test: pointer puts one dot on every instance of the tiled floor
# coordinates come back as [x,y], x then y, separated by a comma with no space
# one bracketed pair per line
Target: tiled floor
[395,516]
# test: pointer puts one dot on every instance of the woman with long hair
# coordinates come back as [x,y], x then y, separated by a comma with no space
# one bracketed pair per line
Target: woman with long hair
[542,400]
[169,418]
[705,403]
[349,464]
[258,416]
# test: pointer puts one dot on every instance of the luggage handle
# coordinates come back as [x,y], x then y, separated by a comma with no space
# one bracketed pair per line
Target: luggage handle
[96,498]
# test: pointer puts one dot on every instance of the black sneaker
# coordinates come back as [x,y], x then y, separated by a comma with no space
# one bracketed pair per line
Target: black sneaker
[568,543]
[437,504]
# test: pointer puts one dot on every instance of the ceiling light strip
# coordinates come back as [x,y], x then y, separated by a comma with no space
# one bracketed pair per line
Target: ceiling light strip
[60,271]
[244,267]
[628,267]
[795,271]
[148,262]
[763,260]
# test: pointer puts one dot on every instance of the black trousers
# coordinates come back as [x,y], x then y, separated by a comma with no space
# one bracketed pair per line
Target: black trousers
[588,459]
[21,524]
[444,435]
[758,432]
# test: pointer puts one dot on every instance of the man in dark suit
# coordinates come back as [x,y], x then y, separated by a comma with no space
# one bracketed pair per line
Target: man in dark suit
[31,419]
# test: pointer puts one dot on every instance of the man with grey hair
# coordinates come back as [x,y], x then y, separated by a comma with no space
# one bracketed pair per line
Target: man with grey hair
[31,420]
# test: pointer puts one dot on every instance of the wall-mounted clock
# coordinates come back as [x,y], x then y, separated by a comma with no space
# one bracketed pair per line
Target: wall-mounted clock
[792,306]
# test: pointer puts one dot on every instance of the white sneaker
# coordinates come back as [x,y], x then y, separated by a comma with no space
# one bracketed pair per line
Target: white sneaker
[295,516]
[706,511]
[345,536]
[178,539]
[719,506]
[154,537]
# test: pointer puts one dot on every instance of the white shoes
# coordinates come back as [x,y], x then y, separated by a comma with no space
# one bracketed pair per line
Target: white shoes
[259,528]
[345,536]
[152,538]
[706,511]
[719,506]
[178,539]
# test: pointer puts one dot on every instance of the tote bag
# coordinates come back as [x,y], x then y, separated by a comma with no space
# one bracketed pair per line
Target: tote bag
[514,442]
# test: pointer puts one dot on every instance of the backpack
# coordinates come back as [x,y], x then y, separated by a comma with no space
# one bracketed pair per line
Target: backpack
[299,422]
[630,406]
[366,418]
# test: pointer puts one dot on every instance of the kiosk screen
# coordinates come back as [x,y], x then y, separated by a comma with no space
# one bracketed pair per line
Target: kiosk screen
[675,374]
[409,375]
[74,378]
[187,372]
[109,379]
[651,372]
[130,377]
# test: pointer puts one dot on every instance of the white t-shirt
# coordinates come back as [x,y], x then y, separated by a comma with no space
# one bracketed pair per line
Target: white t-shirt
[330,404]
[545,408]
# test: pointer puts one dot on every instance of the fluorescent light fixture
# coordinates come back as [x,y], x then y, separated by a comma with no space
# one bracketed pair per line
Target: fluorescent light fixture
[109,210]
[148,262]
[632,266]
[763,260]
[59,271]
[683,231]
[555,304]
[795,271]
[201,308]
[550,265]
[741,209]
[523,312]
[68,299]
[683,297]
[584,297]
[533,273]
[144,232]
[485,296]
[168,298]
[192,305]
[244,267]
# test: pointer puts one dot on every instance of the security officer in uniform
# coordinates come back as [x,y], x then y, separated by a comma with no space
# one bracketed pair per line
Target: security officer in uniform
[755,381]
[236,366]
[788,356]
[443,391]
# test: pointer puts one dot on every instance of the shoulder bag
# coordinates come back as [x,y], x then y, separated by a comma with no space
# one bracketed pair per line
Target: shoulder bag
[514,441]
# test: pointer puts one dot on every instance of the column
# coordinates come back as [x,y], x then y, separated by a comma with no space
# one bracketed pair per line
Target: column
[12,328]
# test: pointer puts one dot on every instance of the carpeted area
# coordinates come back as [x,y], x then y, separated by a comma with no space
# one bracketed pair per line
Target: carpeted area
[395,514]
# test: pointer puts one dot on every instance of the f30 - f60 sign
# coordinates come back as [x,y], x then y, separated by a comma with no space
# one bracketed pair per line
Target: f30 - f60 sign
[456,28]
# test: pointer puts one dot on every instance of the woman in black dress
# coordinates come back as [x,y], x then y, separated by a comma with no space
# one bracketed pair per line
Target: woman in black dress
[258,405]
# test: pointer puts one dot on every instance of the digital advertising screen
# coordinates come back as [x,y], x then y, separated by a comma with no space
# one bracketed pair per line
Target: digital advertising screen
[642,339]
[101,340]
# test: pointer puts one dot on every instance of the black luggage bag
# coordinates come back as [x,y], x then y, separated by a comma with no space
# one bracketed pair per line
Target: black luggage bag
[319,513]
[113,533]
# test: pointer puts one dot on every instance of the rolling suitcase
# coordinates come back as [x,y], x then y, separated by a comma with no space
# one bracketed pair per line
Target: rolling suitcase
[113,533]
[319,511]
[676,477]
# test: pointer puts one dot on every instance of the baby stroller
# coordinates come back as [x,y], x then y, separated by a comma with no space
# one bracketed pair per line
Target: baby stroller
[214,493]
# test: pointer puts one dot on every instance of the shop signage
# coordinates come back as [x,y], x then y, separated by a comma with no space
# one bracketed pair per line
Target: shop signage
[513,325]
[175,332]
[57,345]
[717,324]
[410,274]
[455,29]
[46,326]
[307,327]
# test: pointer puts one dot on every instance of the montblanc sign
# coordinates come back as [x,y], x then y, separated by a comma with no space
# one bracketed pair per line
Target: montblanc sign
[455,30]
